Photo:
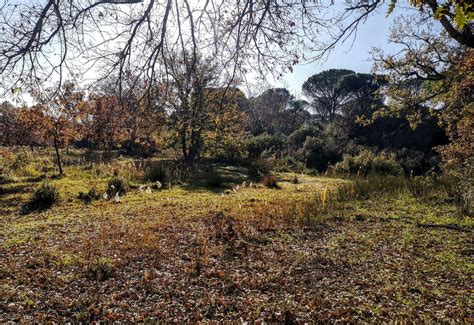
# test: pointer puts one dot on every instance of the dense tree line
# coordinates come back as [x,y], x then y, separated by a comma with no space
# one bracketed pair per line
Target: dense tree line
[196,119]
[175,95]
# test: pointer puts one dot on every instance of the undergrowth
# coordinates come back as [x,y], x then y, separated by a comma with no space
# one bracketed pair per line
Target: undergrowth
[42,198]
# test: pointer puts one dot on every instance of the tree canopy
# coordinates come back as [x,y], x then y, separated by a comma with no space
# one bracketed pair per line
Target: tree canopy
[49,40]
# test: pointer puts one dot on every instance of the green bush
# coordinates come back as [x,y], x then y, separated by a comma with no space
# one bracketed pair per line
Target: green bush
[117,185]
[415,162]
[213,178]
[459,182]
[386,165]
[21,160]
[42,198]
[22,164]
[319,154]
[258,168]
[159,173]
[264,142]
[289,164]
[297,138]
[367,162]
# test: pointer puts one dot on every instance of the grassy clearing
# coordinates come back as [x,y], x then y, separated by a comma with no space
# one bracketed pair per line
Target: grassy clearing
[317,249]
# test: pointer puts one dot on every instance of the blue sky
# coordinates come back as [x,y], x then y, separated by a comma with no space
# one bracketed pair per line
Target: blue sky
[356,56]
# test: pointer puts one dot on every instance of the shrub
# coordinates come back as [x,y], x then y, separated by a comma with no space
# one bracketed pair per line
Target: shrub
[288,164]
[4,170]
[42,198]
[20,161]
[258,168]
[415,162]
[22,165]
[270,181]
[88,197]
[319,154]
[116,185]
[264,142]
[386,165]
[159,173]
[367,162]
[44,165]
[4,178]
[213,178]
[412,161]
[298,137]
[458,180]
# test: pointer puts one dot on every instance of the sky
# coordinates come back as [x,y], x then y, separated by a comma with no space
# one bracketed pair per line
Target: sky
[350,55]
[354,56]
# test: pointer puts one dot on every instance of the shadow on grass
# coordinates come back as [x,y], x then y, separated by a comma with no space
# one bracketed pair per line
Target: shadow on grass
[15,189]
[216,179]
[10,202]
[35,179]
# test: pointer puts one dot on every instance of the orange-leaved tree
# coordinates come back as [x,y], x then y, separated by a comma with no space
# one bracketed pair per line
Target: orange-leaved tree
[59,114]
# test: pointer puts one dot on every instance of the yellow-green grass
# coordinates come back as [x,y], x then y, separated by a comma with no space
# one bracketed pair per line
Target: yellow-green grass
[189,252]
[183,202]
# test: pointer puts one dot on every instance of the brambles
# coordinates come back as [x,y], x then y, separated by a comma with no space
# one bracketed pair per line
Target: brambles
[42,198]
[223,227]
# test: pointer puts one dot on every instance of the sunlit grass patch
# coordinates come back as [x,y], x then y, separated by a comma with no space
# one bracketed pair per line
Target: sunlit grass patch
[240,244]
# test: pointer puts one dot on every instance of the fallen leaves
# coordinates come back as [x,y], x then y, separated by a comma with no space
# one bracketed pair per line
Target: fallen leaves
[189,261]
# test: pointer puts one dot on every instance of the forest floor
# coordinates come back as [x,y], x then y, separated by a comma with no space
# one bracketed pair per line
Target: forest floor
[190,253]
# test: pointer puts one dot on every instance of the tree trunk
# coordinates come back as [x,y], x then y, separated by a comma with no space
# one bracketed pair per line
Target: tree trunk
[58,157]
[184,146]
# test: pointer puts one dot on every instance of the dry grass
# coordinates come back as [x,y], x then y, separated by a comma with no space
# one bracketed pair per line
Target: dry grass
[310,251]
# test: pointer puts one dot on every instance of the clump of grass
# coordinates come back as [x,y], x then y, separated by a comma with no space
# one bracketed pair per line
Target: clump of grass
[101,268]
[377,186]
[295,180]
[90,196]
[270,181]
[42,198]
[117,185]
